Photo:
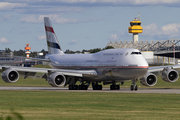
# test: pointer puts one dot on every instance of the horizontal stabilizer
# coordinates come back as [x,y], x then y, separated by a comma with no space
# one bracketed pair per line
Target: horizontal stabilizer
[38,59]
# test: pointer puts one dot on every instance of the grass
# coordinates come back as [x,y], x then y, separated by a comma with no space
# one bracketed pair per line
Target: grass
[55,105]
[67,105]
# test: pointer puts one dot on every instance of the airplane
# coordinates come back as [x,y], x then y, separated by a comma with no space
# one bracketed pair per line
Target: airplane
[108,66]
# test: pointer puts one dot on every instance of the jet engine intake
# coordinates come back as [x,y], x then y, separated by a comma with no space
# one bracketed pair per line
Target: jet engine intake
[170,75]
[56,79]
[10,75]
[148,80]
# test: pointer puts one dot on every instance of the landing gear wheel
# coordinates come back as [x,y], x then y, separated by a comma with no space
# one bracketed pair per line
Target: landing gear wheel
[95,86]
[117,87]
[80,87]
[99,87]
[136,88]
[114,87]
[75,87]
[83,87]
[132,88]
[70,87]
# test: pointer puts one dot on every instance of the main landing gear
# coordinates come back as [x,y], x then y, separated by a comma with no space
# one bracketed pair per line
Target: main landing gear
[95,86]
[134,86]
[78,87]
[83,87]
[73,86]
[114,86]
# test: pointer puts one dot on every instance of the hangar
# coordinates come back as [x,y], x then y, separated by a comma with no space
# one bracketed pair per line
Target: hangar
[165,51]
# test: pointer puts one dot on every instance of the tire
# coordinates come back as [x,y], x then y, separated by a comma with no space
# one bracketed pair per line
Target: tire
[136,88]
[75,87]
[85,87]
[112,87]
[94,87]
[70,87]
[131,88]
[80,87]
[117,87]
[99,87]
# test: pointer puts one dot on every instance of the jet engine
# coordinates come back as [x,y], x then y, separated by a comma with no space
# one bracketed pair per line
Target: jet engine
[148,80]
[56,79]
[10,75]
[170,75]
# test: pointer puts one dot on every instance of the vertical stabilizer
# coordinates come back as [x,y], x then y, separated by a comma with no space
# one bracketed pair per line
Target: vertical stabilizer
[52,42]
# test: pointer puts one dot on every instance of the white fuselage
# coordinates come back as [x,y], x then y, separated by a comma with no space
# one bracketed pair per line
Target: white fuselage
[112,64]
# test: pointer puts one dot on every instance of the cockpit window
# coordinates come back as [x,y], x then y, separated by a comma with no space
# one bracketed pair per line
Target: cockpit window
[133,53]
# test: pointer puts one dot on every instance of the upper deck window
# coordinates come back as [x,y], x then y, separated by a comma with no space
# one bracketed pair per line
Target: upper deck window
[133,53]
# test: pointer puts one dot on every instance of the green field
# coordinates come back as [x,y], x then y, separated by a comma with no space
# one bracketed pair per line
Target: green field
[54,105]
[67,105]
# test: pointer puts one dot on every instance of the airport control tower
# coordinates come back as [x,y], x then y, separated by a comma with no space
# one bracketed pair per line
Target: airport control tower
[27,48]
[135,28]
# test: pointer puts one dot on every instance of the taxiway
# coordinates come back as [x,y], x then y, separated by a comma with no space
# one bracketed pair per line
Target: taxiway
[122,90]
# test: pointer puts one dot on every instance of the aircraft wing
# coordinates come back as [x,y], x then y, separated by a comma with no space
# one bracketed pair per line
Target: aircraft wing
[161,68]
[25,70]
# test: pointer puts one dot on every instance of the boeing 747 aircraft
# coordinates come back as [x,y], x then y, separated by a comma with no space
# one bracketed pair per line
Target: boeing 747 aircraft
[109,66]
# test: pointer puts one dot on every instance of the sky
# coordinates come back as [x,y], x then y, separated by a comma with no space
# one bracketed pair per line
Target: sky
[85,24]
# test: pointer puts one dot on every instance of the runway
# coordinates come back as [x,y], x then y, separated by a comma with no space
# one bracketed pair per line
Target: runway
[122,90]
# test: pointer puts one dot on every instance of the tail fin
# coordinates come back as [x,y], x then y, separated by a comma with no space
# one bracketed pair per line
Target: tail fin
[52,42]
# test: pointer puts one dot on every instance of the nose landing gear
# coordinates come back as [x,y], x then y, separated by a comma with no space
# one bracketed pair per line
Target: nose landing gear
[134,86]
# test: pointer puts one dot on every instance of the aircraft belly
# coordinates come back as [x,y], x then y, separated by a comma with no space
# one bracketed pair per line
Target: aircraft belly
[120,74]
[117,74]
[130,73]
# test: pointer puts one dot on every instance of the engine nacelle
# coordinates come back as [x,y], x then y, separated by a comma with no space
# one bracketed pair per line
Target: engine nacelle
[56,79]
[170,75]
[10,75]
[149,80]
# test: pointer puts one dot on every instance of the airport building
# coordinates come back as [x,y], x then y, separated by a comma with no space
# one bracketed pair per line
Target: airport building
[7,59]
[155,52]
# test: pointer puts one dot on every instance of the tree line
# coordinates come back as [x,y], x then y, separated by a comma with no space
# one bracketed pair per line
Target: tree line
[34,54]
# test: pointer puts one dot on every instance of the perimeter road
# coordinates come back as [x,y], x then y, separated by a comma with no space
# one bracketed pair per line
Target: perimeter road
[123,90]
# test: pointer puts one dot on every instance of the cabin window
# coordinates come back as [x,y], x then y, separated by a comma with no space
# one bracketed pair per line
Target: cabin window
[137,53]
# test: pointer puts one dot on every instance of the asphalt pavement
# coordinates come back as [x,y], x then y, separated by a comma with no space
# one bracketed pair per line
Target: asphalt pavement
[122,90]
